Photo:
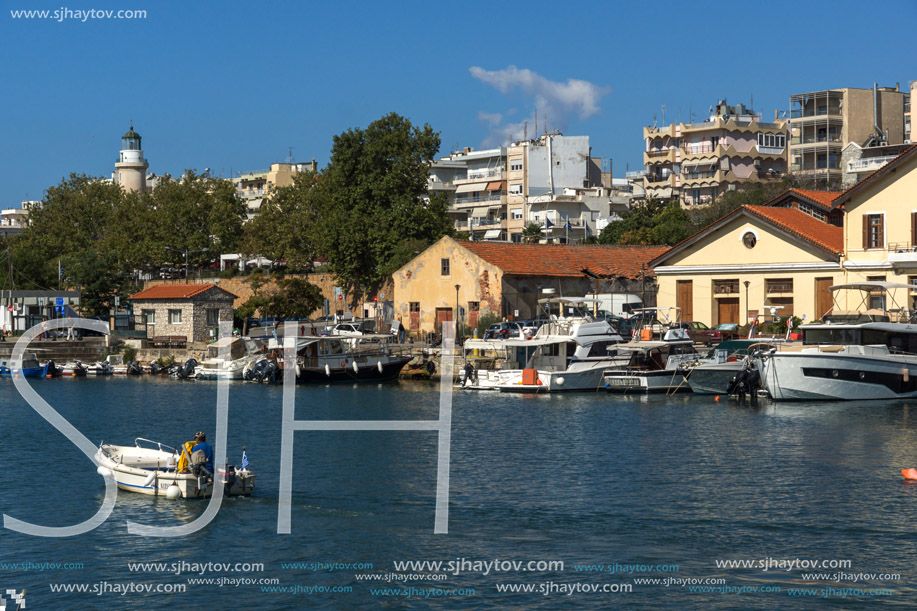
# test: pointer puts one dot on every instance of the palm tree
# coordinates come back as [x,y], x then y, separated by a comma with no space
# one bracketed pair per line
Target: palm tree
[532,233]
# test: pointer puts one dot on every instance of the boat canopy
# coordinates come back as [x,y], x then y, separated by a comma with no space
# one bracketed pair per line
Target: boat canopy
[872,286]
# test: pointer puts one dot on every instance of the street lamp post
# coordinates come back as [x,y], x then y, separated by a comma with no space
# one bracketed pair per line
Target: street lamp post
[746,300]
[457,287]
[186,253]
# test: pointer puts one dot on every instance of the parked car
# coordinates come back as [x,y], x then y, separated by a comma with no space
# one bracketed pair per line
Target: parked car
[346,328]
[728,330]
[530,327]
[624,326]
[503,330]
[701,333]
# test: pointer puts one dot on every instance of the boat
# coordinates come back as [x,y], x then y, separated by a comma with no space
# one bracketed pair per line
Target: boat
[368,358]
[569,352]
[100,368]
[31,368]
[241,352]
[152,471]
[654,365]
[73,369]
[862,354]
[713,374]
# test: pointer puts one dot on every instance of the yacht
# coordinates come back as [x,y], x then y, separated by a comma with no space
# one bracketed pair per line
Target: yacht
[869,353]
[241,352]
[654,365]
[570,352]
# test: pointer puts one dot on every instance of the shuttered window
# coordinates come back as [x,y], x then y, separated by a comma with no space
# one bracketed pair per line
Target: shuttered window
[873,231]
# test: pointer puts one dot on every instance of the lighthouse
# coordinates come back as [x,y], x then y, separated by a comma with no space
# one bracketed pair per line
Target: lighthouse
[131,166]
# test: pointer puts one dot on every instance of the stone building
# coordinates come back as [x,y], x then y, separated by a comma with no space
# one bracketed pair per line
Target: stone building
[480,278]
[192,310]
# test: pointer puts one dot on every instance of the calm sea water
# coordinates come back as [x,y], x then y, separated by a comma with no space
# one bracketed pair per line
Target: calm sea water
[666,486]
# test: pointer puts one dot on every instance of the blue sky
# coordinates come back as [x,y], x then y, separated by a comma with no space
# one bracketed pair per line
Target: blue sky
[232,86]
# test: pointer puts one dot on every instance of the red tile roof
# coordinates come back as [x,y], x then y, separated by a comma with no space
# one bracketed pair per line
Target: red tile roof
[800,224]
[564,260]
[175,291]
[809,228]
[822,198]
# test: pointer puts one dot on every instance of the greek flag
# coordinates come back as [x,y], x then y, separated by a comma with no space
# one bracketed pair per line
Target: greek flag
[244,460]
[568,226]
[547,223]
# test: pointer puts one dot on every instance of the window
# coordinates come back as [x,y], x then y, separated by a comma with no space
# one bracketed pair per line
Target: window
[517,214]
[780,285]
[415,306]
[726,286]
[749,239]
[474,306]
[174,317]
[714,141]
[873,231]
[515,166]
[516,238]
[783,305]
[445,267]
[213,317]
[515,189]
[877,297]
[150,316]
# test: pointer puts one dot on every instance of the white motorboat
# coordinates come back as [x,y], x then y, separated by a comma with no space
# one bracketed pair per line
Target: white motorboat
[152,471]
[654,365]
[73,369]
[100,368]
[713,374]
[242,352]
[870,353]
[570,352]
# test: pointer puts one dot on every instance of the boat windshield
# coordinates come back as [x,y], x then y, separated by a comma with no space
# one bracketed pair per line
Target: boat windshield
[896,341]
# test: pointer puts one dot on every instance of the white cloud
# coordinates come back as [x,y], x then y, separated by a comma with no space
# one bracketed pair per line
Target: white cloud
[572,97]
[491,118]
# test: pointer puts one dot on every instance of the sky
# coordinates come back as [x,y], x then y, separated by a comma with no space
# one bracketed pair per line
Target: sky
[232,86]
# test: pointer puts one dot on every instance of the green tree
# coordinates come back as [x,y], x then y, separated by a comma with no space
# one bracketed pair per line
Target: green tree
[376,205]
[100,277]
[654,222]
[295,298]
[532,233]
[288,224]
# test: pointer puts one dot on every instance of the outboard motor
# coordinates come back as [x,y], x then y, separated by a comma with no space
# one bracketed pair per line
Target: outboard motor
[134,368]
[155,368]
[747,381]
[255,371]
[187,369]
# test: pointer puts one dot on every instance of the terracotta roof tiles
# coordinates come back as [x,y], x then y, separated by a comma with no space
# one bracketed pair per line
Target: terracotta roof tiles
[565,260]
[175,291]
[809,228]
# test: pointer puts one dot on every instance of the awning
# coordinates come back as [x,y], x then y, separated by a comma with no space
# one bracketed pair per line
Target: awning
[471,187]
[697,162]
[492,234]
[496,185]
[480,212]
[254,204]
[662,193]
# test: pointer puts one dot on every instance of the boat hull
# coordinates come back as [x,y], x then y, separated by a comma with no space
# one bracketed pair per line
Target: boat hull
[642,382]
[854,374]
[713,379]
[364,373]
[154,478]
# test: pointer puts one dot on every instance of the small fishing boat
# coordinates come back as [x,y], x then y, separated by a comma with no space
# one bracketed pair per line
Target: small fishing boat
[73,369]
[153,471]
[654,365]
[241,353]
[31,368]
[100,368]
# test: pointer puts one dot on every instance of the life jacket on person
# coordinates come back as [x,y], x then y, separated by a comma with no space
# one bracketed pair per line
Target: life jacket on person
[184,461]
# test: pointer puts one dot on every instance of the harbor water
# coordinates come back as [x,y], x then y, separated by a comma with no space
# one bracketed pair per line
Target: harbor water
[561,501]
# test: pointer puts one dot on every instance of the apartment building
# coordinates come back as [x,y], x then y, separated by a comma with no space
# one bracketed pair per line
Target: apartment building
[695,162]
[254,187]
[13,221]
[824,122]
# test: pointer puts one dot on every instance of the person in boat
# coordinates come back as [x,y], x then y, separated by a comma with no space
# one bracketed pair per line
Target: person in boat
[469,375]
[184,461]
[202,463]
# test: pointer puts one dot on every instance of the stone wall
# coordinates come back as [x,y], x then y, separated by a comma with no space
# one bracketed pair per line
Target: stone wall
[193,323]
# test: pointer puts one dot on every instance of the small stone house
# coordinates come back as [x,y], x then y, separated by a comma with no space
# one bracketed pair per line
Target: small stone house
[191,310]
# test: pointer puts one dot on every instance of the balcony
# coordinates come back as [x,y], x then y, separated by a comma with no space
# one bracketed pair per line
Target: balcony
[250,193]
[483,222]
[820,111]
[902,254]
[479,199]
[661,180]
[869,164]
[813,167]
[726,287]
[636,174]
[771,150]
[482,176]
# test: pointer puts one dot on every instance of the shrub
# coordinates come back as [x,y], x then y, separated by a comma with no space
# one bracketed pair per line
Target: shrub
[130,354]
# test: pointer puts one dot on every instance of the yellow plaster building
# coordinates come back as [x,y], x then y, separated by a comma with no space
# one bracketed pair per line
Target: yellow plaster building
[784,256]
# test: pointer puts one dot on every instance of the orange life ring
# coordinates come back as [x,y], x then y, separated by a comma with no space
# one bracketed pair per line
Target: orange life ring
[343,363]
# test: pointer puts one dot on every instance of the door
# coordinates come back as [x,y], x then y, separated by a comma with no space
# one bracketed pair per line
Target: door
[684,299]
[727,310]
[823,302]
[442,315]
